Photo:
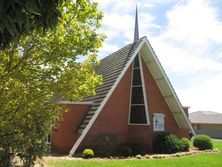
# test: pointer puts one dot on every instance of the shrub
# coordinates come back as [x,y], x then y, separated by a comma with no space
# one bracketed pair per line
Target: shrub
[203,142]
[125,151]
[105,144]
[88,153]
[137,148]
[168,143]
[186,144]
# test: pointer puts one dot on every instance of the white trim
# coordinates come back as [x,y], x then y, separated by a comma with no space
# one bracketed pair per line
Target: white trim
[136,86]
[138,123]
[137,104]
[144,91]
[72,102]
[159,114]
[77,143]
[131,87]
[168,84]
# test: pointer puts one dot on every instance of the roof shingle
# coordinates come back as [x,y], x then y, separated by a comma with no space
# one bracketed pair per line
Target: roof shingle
[110,68]
[205,117]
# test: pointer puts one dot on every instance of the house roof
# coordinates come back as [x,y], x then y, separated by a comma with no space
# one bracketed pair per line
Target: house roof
[113,68]
[205,117]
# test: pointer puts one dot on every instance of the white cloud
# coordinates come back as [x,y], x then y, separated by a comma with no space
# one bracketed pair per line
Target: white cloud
[144,4]
[112,6]
[195,23]
[188,49]
[181,61]
[146,23]
[107,49]
[203,94]
[118,22]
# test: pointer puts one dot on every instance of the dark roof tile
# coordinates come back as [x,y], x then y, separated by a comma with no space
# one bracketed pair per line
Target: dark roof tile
[110,68]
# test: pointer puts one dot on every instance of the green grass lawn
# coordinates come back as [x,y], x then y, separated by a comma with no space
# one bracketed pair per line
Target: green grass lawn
[217,145]
[203,160]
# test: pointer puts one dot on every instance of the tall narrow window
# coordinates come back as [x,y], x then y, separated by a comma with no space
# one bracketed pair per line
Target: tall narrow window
[137,108]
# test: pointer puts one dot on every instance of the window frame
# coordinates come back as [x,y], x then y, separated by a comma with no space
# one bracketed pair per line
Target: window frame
[144,93]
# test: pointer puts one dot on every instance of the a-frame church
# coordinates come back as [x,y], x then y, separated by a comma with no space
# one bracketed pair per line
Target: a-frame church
[135,103]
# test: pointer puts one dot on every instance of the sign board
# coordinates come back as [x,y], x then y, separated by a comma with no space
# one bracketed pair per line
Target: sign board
[158,122]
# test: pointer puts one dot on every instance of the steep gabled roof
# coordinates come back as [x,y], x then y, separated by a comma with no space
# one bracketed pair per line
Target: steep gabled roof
[205,117]
[110,68]
[114,67]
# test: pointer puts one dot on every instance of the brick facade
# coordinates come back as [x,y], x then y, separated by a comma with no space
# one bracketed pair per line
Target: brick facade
[114,118]
[64,136]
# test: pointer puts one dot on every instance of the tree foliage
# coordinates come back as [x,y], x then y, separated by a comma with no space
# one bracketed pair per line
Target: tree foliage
[21,16]
[41,68]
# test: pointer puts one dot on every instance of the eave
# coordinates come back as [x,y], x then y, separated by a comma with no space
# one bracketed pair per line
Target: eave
[165,86]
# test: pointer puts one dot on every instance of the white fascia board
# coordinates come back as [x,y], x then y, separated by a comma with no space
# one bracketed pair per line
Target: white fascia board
[72,102]
[76,145]
[168,84]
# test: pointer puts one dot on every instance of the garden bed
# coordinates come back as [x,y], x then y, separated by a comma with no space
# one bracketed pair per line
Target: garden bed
[192,151]
[193,158]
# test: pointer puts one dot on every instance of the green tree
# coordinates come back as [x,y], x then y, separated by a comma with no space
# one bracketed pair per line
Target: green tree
[41,68]
[19,17]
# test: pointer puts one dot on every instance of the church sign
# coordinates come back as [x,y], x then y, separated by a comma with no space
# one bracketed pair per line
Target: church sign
[158,122]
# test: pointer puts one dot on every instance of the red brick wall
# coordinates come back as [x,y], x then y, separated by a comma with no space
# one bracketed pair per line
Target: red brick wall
[157,104]
[64,137]
[114,116]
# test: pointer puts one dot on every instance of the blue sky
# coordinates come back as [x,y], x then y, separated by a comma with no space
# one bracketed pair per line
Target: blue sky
[186,36]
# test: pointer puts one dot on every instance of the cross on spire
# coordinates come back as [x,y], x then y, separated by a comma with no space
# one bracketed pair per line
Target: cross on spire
[136,28]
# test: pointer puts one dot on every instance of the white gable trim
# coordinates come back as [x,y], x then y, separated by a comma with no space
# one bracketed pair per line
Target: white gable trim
[168,85]
[71,102]
[76,145]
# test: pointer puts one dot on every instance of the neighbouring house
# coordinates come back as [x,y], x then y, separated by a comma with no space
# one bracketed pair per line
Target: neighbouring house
[135,103]
[207,122]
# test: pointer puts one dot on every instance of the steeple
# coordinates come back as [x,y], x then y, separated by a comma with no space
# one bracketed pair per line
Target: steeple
[136,28]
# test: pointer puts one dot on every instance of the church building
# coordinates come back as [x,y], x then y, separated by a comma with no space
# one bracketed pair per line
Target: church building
[135,102]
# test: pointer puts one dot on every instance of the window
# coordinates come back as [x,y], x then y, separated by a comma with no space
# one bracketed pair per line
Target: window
[136,77]
[138,114]
[136,63]
[137,108]
[137,95]
[48,140]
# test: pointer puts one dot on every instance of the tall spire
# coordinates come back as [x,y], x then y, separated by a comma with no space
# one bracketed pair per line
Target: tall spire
[136,28]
